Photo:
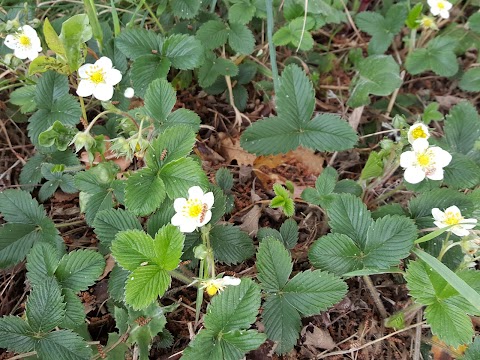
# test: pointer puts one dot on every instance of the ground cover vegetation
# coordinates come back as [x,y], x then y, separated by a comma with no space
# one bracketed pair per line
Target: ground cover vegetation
[291,179]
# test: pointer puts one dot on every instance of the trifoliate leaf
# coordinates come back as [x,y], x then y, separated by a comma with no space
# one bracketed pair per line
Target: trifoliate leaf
[240,38]
[293,127]
[184,52]
[213,34]
[377,75]
[438,56]
[180,175]
[45,308]
[382,29]
[144,192]
[63,344]
[80,269]
[230,244]
[146,69]
[160,99]
[135,43]
[431,113]
[16,335]
[131,248]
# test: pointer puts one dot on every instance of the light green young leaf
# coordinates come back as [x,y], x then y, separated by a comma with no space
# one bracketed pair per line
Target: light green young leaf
[146,69]
[184,52]
[240,38]
[45,308]
[293,127]
[274,264]
[160,99]
[76,31]
[131,248]
[80,269]
[431,113]
[382,29]
[377,75]
[63,344]
[373,167]
[213,34]
[145,284]
[16,335]
[144,192]
[52,39]
[438,56]
[230,244]
[135,43]
[168,244]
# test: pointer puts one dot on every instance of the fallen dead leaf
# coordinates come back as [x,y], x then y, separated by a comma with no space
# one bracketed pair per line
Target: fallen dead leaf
[250,220]
[311,161]
[355,117]
[317,338]
[447,101]
[231,150]
[110,263]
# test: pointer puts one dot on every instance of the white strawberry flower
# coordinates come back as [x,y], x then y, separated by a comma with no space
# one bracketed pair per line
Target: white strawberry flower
[440,7]
[453,216]
[25,43]
[212,286]
[424,161]
[417,131]
[98,79]
[194,211]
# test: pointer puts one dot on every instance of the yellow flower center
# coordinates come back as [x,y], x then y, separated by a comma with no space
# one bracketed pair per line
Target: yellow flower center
[211,289]
[418,132]
[97,77]
[193,208]
[24,40]
[452,218]
[423,159]
[441,5]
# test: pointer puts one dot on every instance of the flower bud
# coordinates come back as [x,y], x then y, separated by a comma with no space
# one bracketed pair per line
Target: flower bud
[83,140]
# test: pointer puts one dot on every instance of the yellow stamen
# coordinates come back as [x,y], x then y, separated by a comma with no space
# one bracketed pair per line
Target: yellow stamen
[419,133]
[211,289]
[97,77]
[452,218]
[423,160]
[441,5]
[193,208]
[24,40]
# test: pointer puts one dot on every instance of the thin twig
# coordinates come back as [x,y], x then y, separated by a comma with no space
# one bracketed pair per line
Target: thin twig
[376,299]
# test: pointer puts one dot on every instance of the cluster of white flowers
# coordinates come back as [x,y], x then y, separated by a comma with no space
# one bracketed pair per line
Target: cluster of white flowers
[440,7]
[193,212]
[424,161]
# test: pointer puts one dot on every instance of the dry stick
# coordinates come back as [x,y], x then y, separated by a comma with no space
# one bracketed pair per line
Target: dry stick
[395,94]
[375,297]
[418,337]
[24,355]
[351,22]
[321,356]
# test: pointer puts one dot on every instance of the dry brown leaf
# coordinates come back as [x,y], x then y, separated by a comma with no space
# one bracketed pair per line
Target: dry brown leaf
[317,338]
[355,117]
[447,101]
[311,161]
[231,150]
[110,263]
[250,220]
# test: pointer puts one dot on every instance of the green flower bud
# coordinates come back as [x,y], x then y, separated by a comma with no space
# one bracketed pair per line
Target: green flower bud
[83,140]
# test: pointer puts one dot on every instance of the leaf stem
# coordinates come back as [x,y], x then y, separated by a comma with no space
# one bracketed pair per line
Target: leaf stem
[446,246]
[413,38]
[212,6]
[182,277]
[271,46]
[199,300]
[72,223]
[376,299]
[84,111]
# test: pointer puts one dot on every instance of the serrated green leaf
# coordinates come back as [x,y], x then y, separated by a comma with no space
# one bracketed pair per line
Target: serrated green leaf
[470,80]
[131,248]
[25,98]
[16,241]
[18,206]
[144,192]
[282,323]
[382,29]
[111,221]
[289,232]
[311,292]
[63,344]
[180,175]
[145,284]
[185,9]
[230,244]
[236,343]
[473,351]
[146,69]
[116,284]
[336,253]
[212,34]
[462,172]
[413,16]
[274,264]
[438,56]
[214,67]
[174,143]
[45,308]
[42,261]
[348,186]
[184,117]
[74,310]
[325,183]
[224,179]
[52,39]
[76,31]
[80,269]
[168,244]
[240,38]
[377,75]
[135,43]
[16,335]
[31,174]
[184,51]
[431,113]
[241,12]
[348,215]
[160,99]
[235,308]
[373,167]
[161,217]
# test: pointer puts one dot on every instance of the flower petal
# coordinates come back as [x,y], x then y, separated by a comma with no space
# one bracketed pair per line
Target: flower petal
[104,63]
[178,219]
[437,174]
[32,54]
[206,218]
[103,92]
[442,157]
[188,227]
[453,209]
[438,214]
[440,224]
[407,159]
[11,42]
[413,175]
[21,53]
[230,280]
[178,204]
[85,88]
[459,231]
[420,145]
[82,70]
[444,13]
[29,31]
[209,199]
[113,77]
[195,192]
